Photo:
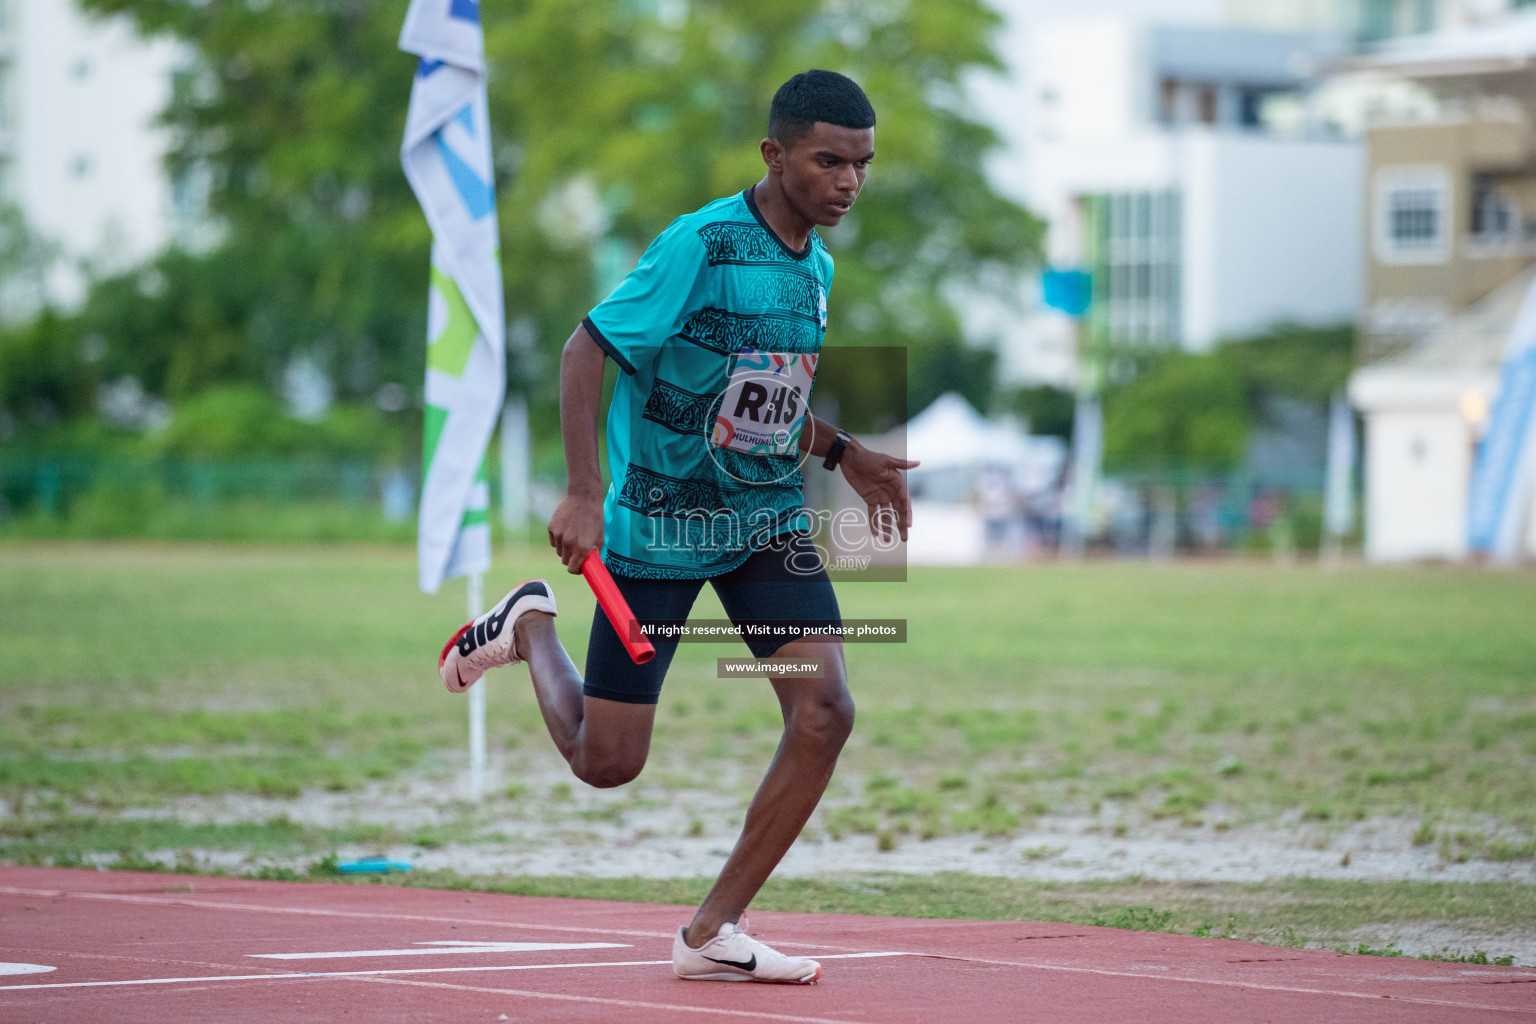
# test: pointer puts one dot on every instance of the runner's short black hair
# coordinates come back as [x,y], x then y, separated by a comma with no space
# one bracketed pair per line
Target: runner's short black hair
[813,96]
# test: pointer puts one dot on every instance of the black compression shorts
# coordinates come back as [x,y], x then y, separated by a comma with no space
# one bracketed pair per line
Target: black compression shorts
[784,580]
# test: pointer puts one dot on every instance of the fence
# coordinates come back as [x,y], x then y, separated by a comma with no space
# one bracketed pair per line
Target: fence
[281,499]
[1185,510]
[1198,511]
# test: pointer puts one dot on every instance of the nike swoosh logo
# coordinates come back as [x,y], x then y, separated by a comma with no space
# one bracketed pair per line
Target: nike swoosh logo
[749,965]
[535,589]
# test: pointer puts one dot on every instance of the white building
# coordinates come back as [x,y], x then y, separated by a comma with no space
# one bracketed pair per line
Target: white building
[1365,21]
[1185,167]
[1453,240]
[1425,411]
[80,154]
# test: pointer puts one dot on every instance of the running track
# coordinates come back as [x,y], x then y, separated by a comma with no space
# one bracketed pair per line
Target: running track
[142,947]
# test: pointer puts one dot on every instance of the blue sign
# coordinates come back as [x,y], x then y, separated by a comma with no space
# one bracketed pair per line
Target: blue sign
[1067,290]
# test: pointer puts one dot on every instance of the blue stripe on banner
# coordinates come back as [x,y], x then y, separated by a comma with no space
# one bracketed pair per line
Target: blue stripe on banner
[1499,453]
[466,119]
[425,67]
[465,10]
[479,198]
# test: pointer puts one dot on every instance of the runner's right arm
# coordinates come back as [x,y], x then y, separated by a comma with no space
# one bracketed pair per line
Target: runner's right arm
[577,525]
[630,327]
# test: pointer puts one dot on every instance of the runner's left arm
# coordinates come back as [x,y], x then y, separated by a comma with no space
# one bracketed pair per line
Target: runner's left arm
[816,436]
[875,476]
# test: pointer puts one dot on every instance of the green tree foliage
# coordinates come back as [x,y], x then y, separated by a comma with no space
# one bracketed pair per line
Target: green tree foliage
[291,114]
[610,117]
[1049,409]
[1197,410]
[24,261]
[1185,410]
[230,420]
[952,366]
[670,114]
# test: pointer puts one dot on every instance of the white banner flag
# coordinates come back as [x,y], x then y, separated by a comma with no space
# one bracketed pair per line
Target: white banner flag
[447,159]
[1504,475]
[1339,488]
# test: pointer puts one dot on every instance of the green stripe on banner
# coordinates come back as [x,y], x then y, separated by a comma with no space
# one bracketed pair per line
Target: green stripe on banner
[477,516]
[449,351]
[431,432]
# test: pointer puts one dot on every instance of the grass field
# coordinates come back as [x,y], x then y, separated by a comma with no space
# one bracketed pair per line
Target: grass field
[1138,697]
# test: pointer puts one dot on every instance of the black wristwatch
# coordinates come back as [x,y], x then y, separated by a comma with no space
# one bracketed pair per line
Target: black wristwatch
[835,453]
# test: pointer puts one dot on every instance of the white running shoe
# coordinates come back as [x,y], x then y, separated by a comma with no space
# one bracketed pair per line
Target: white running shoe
[733,955]
[487,642]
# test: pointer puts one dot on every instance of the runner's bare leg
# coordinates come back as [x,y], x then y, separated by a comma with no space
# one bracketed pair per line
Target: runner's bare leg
[604,741]
[818,716]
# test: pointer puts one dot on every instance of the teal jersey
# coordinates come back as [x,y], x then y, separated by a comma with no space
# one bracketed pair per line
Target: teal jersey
[717,330]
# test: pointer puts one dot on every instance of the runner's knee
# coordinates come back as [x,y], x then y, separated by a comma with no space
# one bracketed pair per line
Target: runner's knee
[824,719]
[609,774]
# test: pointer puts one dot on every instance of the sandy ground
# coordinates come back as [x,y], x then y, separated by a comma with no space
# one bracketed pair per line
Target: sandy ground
[655,832]
[651,831]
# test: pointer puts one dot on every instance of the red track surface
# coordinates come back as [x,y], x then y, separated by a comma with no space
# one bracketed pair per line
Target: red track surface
[133,947]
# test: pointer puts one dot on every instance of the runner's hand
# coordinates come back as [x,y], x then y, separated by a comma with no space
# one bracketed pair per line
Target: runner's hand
[576,528]
[878,480]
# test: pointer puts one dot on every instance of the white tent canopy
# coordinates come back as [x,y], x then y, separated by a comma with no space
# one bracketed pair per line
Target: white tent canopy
[950,433]
[960,451]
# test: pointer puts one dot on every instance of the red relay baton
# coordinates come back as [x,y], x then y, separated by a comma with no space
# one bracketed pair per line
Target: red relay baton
[615,607]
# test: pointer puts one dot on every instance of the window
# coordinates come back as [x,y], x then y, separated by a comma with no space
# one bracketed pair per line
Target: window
[1250,108]
[1376,21]
[1412,214]
[1206,100]
[1134,255]
[1415,214]
[1495,214]
[1181,103]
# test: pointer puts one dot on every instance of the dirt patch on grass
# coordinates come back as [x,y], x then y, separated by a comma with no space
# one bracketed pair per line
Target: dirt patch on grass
[537,821]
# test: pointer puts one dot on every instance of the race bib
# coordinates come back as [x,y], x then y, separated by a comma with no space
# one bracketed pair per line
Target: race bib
[765,403]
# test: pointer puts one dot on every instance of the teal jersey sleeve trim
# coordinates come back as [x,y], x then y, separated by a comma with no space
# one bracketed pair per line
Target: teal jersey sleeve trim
[607,346]
[648,306]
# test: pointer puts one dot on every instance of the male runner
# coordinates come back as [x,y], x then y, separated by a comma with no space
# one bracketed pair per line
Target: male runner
[717,331]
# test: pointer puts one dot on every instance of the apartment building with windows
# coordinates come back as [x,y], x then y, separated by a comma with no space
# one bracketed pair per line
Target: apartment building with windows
[1445,217]
[1450,254]
[1188,170]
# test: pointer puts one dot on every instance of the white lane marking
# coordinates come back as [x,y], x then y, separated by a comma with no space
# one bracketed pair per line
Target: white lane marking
[627,1003]
[115,897]
[441,948]
[1223,983]
[25,968]
[1218,983]
[381,972]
